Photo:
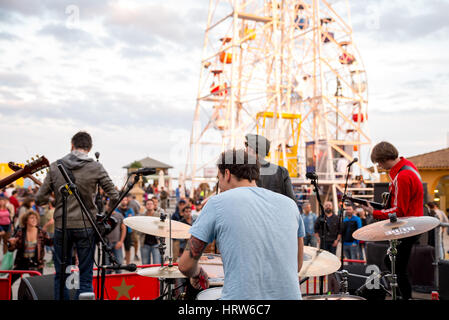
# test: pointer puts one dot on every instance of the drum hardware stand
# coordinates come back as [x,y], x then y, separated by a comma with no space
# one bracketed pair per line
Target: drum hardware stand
[71,188]
[392,253]
[166,283]
[322,219]
[344,281]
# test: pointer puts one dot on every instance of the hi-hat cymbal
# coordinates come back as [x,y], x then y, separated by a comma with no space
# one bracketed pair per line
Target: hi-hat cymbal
[318,262]
[155,227]
[161,272]
[402,228]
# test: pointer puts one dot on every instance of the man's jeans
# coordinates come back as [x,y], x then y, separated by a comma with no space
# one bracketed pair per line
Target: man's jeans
[351,252]
[150,254]
[310,240]
[84,242]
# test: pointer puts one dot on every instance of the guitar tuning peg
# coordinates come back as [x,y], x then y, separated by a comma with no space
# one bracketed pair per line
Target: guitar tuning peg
[48,170]
[42,172]
[32,158]
[28,161]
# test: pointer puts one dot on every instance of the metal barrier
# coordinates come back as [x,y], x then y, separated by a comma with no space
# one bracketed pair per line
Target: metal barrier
[5,283]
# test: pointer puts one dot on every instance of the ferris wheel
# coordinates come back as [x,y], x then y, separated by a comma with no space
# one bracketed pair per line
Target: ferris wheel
[288,70]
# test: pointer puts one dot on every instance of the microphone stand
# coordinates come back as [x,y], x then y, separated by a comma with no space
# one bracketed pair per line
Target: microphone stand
[71,188]
[100,207]
[323,224]
[340,213]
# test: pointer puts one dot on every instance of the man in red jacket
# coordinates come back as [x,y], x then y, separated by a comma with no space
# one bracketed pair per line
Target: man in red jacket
[406,200]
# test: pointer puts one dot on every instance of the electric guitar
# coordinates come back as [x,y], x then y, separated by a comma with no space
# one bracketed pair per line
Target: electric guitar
[29,169]
[16,167]
[376,205]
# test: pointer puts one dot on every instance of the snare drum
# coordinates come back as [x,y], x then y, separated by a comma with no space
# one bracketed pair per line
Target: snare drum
[333,297]
[210,294]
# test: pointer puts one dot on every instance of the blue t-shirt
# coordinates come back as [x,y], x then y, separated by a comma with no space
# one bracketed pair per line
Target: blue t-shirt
[257,233]
[128,213]
[349,226]
[309,222]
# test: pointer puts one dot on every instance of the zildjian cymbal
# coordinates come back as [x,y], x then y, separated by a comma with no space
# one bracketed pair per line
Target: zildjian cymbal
[402,228]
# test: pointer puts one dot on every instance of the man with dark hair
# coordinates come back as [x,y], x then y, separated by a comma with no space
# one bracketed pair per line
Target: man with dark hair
[80,234]
[406,200]
[259,233]
[273,177]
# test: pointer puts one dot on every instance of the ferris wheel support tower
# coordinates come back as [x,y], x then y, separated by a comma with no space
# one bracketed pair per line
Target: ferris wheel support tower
[288,70]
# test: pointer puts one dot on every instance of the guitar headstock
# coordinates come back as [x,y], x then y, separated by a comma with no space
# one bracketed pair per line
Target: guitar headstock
[35,165]
[14,166]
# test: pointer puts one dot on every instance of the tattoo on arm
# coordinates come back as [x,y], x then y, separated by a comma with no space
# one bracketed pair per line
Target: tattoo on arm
[195,247]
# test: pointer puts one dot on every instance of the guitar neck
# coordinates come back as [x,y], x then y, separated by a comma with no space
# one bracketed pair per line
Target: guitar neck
[375,205]
[10,179]
[36,181]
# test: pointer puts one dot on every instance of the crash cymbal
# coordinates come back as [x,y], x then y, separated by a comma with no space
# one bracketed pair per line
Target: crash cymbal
[162,272]
[402,228]
[155,227]
[318,262]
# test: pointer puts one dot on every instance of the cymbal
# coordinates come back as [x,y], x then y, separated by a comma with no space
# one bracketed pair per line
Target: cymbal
[318,262]
[161,272]
[155,227]
[402,228]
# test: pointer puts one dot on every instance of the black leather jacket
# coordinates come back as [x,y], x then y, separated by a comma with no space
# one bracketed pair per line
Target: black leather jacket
[275,178]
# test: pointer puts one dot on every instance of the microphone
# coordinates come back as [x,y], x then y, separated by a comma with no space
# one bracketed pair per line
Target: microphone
[311,175]
[352,162]
[128,267]
[144,171]
[97,155]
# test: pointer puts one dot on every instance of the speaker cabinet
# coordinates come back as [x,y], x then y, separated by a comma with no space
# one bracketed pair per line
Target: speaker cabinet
[39,288]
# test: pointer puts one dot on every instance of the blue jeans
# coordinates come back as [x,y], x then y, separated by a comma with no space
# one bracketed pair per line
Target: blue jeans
[84,242]
[150,254]
[310,240]
[351,251]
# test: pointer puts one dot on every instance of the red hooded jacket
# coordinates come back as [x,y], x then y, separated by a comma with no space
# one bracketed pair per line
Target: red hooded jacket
[406,192]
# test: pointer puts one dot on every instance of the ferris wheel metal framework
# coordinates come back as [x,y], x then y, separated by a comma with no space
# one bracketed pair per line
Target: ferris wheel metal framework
[280,68]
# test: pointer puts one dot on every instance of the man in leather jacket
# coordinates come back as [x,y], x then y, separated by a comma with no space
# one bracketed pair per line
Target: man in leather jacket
[273,177]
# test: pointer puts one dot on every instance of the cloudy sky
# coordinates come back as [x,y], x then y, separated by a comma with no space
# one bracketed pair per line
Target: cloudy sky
[127,72]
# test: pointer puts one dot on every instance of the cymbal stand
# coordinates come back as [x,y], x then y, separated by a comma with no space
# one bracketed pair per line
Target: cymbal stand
[344,281]
[392,252]
[166,283]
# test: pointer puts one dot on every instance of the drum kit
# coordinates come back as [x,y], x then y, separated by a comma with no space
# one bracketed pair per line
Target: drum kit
[317,262]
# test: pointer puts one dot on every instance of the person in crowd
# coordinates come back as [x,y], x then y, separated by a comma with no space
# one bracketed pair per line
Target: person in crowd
[260,233]
[14,201]
[116,239]
[79,233]
[436,212]
[309,219]
[178,193]
[177,214]
[366,219]
[157,209]
[187,218]
[126,212]
[407,198]
[351,223]
[27,205]
[332,230]
[29,241]
[272,177]
[47,224]
[5,223]
[135,205]
[164,198]
[149,247]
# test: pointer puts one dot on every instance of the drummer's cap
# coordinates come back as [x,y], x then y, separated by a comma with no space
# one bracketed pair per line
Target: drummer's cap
[258,143]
